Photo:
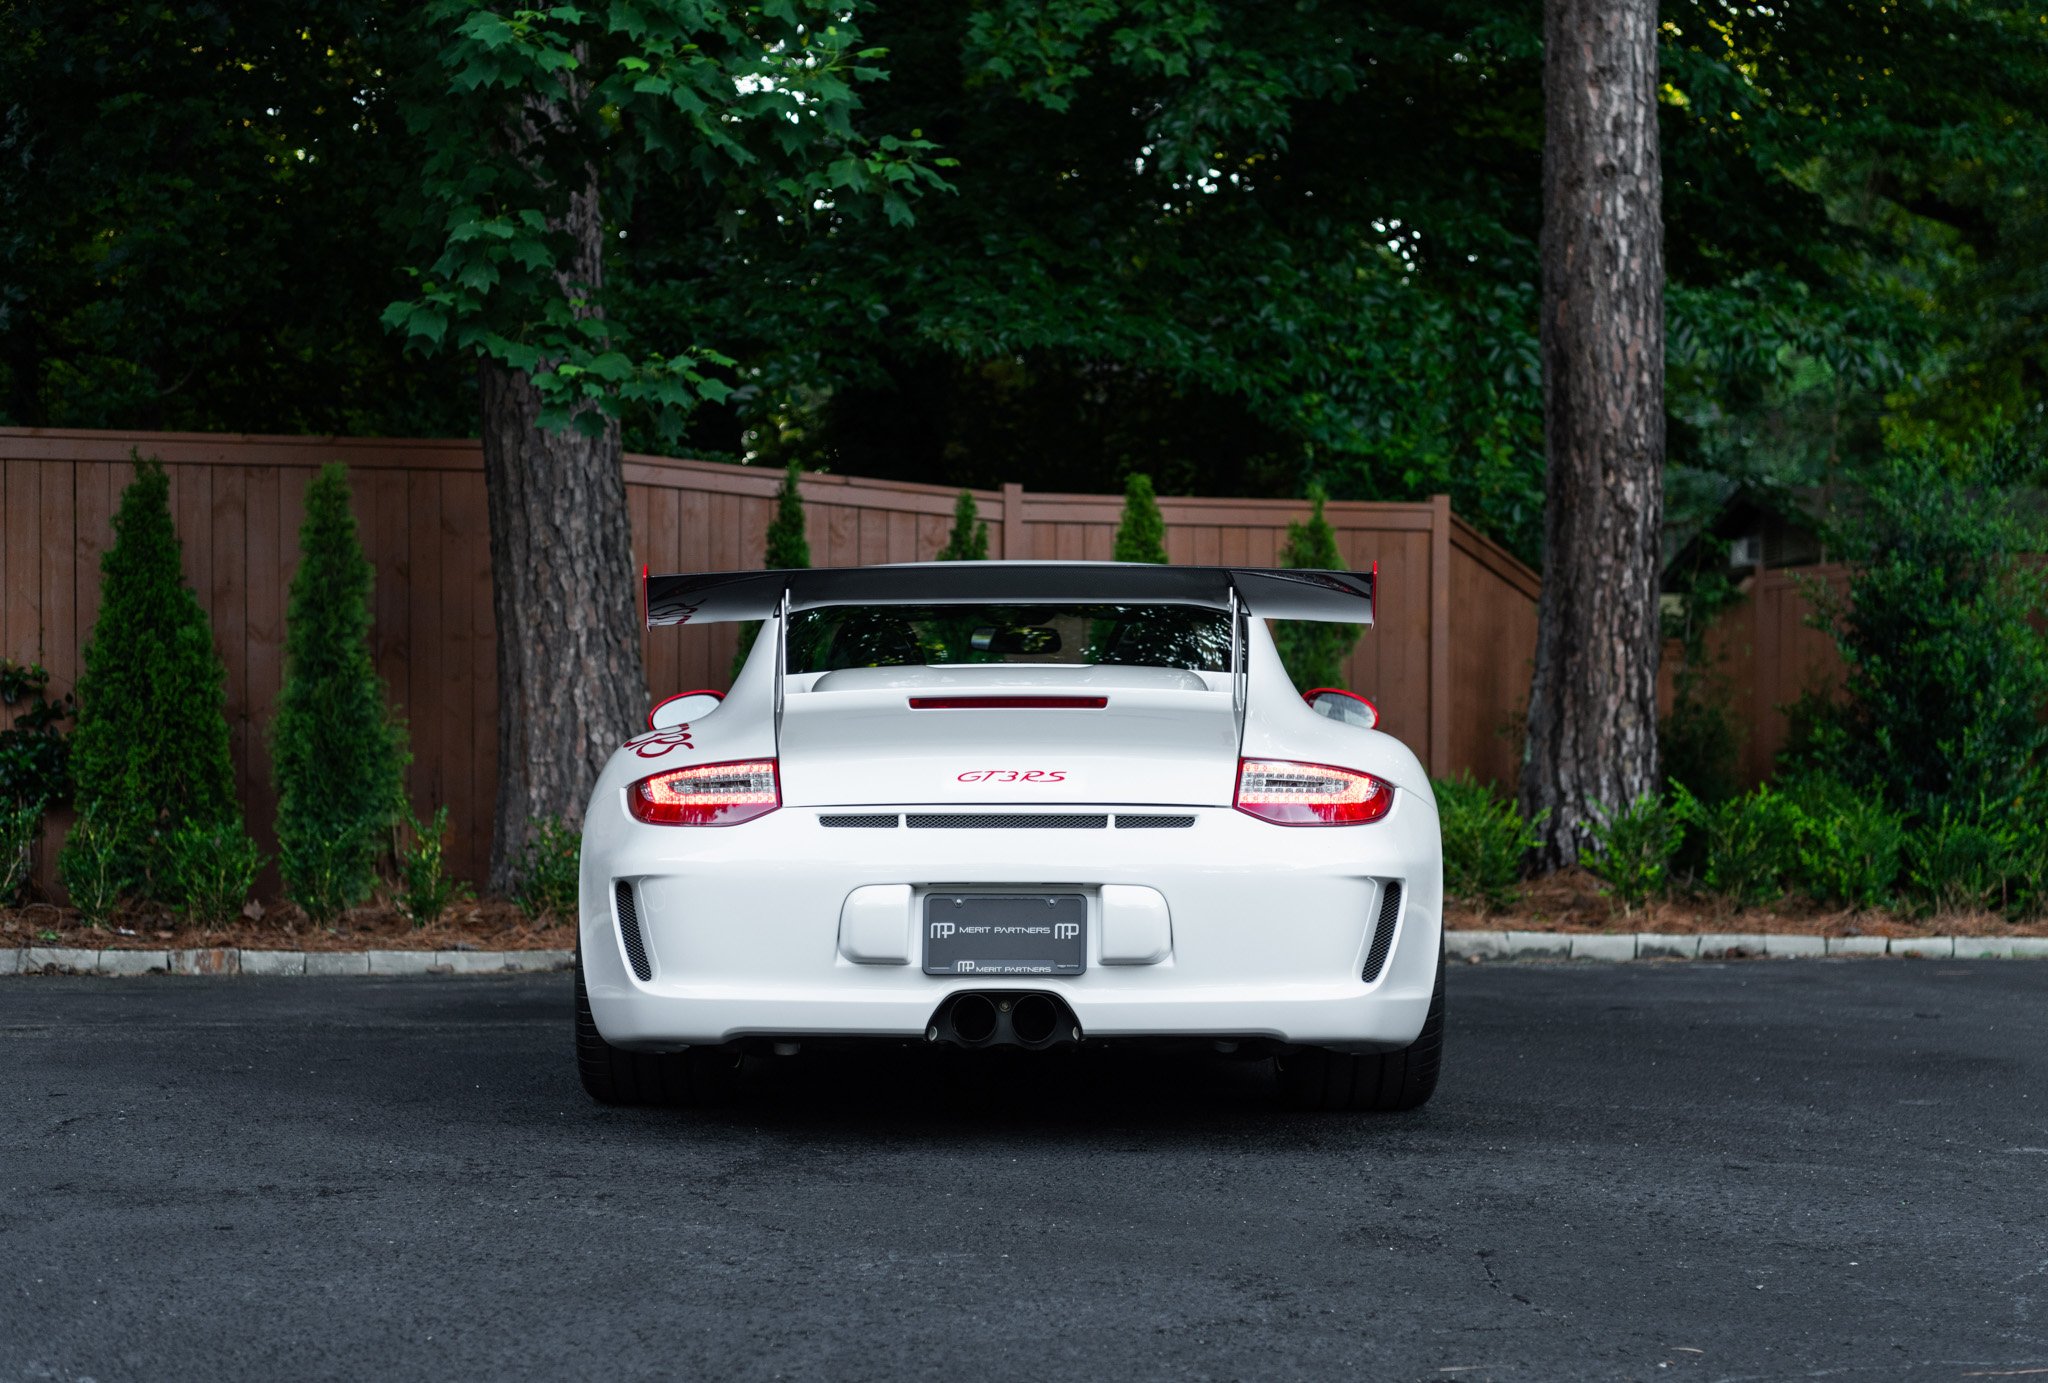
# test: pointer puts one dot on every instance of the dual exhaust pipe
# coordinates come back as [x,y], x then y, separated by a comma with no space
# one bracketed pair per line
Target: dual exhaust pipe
[1004,1018]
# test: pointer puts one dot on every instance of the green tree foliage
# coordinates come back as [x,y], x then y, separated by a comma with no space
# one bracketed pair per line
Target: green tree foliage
[968,542]
[199,230]
[1313,652]
[338,755]
[523,117]
[1242,246]
[788,547]
[151,750]
[1140,532]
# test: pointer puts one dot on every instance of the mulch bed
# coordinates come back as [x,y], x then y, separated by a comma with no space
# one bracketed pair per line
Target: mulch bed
[1571,901]
[487,925]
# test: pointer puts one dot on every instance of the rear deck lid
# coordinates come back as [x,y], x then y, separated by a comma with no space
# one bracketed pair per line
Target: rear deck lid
[1010,735]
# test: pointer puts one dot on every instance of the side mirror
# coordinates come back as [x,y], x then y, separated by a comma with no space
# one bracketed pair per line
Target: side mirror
[1341,705]
[683,707]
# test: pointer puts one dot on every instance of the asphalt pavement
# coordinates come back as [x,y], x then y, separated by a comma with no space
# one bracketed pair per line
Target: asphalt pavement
[1829,1169]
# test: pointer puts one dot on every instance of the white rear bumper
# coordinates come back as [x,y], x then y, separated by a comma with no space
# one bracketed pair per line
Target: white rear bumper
[1271,926]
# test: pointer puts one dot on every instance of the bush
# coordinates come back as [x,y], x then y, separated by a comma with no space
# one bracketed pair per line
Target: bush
[19,823]
[92,866]
[968,541]
[1485,841]
[338,755]
[211,869]
[35,753]
[788,549]
[1748,846]
[547,871]
[424,887]
[1313,652]
[326,871]
[1947,678]
[1632,849]
[152,733]
[1967,859]
[1141,531]
[1848,845]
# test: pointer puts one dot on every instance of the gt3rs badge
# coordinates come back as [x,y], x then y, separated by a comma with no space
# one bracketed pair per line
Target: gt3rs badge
[1012,775]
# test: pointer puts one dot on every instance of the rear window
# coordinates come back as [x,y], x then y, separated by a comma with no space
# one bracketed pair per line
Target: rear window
[1190,637]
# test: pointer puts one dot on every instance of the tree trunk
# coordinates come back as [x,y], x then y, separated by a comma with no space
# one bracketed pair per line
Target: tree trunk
[571,683]
[1593,700]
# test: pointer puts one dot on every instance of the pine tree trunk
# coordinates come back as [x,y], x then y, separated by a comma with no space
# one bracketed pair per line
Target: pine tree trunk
[571,684]
[1593,700]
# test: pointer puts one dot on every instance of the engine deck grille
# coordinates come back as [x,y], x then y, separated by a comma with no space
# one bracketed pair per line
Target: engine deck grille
[629,933]
[1153,823]
[865,821]
[1008,821]
[1383,933]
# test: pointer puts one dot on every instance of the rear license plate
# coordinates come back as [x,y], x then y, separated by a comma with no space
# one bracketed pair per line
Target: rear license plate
[1005,934]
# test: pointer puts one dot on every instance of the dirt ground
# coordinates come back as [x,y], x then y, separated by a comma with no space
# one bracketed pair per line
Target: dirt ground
[1571,901]
[488,925]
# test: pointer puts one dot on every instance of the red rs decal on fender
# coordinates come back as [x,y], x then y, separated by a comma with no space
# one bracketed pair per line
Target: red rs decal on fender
[1012,775]
[661,741]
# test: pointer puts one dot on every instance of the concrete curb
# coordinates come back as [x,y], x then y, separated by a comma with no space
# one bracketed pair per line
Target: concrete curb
[1731,946]
[230,960]
[1609,946]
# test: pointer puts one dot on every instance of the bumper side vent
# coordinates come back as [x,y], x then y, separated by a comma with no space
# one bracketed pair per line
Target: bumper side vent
[1383,934]
[629,933]
[872,821]
[1008,821]
[1153,823]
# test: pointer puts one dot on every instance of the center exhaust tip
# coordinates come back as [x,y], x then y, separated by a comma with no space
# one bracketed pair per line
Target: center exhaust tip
[1004,1018]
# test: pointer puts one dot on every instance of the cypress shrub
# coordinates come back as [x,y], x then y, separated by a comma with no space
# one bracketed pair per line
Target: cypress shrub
[150,753]
[968,541]
[1313,653]
[1141,532]
[787,548]
[338,754]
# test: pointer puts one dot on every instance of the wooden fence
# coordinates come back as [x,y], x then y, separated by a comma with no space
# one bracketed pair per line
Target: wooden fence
[1448,663]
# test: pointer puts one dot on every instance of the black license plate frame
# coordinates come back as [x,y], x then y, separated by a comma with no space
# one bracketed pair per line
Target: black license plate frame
[1008,935]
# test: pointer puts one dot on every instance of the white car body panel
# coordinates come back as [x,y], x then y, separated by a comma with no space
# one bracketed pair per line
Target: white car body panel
[785,928]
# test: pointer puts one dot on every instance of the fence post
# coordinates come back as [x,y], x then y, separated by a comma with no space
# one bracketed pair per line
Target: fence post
[1438,756]
[1013,522]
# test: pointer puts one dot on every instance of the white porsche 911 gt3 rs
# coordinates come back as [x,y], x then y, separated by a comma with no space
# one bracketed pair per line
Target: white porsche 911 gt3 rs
[1013,804]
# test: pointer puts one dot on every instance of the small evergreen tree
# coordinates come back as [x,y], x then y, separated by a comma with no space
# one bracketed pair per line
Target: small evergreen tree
[968,541]
[788,548]
[338,754]
[1313,652]
[150,754]
[1141,533]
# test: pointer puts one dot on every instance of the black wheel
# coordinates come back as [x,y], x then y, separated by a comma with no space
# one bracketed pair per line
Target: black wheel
[613,1075]
[1314,1078]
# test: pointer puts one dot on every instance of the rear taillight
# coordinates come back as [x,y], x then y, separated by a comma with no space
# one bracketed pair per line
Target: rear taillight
[707,794]
[1294,794]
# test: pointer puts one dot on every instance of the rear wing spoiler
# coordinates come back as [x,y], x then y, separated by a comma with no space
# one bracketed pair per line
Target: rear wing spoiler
[1337,597]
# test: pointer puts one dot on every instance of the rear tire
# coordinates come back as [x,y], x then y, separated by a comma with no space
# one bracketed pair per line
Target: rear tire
[613,1075]
[1316,1078]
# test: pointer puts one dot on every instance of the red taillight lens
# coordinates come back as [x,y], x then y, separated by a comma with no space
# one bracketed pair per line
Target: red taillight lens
[707,794]
[1294,794]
